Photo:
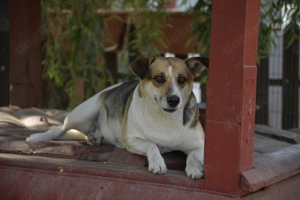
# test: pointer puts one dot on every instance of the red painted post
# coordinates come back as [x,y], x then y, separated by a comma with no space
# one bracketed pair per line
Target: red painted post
[231,94]
[25,53]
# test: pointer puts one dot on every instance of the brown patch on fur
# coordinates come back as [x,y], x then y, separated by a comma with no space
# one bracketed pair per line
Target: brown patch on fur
[160,67]
[141,67]
[148,68]
[195,66]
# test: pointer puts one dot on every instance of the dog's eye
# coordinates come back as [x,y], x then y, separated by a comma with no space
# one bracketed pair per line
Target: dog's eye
[159,79]
[181,80]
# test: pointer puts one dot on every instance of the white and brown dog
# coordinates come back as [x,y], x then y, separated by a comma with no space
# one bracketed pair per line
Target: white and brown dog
[154,115]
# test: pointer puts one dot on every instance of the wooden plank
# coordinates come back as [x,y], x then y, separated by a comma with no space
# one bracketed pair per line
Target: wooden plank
[279,134]
[104,168]
[263,144]
[231,94]
[287,189]
[295,130]
[25,53]
[272,167]
[29,184]
[220,155]
[247,118]
[52,178]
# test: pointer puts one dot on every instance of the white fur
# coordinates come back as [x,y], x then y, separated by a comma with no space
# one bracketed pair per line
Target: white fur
[176,91]
[165,134]
[80,119]
[148,131]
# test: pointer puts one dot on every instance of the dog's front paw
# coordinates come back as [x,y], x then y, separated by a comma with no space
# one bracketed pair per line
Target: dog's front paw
[194,172]
[158,168]
[157,165]
[194,164]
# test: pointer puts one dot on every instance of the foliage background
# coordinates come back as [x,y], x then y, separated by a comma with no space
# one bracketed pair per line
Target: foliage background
[74,32]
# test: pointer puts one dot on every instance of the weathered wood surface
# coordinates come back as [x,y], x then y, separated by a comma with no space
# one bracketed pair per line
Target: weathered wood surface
[287,189]
[272,167]
[291,137]
[231,93]
[17,124]
[69,161]
[27,177]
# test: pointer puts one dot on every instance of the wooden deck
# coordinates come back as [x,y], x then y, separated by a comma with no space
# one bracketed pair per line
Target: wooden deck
[64,169]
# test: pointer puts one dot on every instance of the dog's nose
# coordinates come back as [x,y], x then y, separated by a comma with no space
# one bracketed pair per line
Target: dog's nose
[173,100]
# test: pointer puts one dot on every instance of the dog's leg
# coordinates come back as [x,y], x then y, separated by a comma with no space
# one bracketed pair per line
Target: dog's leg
[194,164]
[94,137]
[53,133]
[150,150]
[48,135]
[81,118]
[72,121]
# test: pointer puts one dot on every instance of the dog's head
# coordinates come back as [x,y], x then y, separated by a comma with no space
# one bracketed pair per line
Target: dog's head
[166,81]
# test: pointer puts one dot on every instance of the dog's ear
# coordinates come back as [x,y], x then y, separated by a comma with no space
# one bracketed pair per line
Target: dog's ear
[195,66]
[141,66]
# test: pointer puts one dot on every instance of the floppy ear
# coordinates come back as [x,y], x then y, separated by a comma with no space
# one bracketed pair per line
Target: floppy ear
[141,66]
[195,66]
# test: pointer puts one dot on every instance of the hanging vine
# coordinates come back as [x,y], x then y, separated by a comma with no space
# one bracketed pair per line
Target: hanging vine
[74,51]
[74,33]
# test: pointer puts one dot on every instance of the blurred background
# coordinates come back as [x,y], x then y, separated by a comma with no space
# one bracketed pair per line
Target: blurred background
[87,45]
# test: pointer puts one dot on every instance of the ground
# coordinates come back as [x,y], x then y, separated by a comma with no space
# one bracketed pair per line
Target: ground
[275,158]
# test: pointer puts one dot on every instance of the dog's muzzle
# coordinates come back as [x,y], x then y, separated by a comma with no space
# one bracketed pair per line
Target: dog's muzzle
[173,101]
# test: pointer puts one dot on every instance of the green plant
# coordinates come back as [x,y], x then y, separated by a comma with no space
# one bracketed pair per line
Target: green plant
[74,51]
[201,26]
[74,32]
[273,13]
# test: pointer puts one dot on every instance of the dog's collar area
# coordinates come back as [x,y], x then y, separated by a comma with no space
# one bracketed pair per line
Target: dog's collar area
[169,110]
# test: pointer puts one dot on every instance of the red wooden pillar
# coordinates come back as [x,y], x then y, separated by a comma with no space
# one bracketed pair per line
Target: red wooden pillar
[25,53]
[231,93]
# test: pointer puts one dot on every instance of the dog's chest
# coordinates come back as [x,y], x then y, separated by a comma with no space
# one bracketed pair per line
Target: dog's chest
[164,133]
[149,121]
[163,130]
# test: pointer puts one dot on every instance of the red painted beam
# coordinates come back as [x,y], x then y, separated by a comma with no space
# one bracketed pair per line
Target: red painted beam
[231,94]
[25,53]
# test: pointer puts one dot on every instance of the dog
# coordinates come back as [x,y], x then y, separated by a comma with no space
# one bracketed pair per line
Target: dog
[156,114]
